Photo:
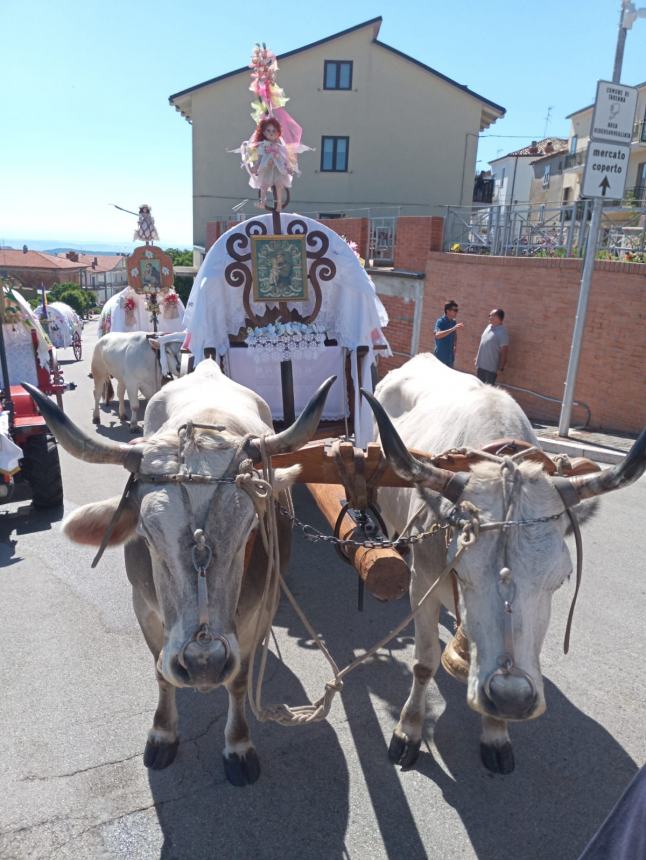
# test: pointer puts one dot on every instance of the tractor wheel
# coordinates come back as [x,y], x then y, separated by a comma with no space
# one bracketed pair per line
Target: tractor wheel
[42,469]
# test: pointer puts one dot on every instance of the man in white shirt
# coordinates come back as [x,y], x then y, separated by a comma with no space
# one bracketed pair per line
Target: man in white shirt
[494,348]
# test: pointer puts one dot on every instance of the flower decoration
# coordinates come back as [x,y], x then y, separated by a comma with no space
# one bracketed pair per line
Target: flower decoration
[134,272]
[263,67]
[165,270]
[456,248]
[128,304]
[149,255]
[171,299]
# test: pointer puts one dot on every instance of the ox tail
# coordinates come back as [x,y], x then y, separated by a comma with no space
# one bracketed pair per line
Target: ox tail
[108,390]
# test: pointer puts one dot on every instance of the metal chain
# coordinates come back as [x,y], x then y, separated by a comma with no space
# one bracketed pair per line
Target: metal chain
[314,535]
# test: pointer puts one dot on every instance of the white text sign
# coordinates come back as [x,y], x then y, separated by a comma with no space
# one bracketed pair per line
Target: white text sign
[606,168]
[614,113]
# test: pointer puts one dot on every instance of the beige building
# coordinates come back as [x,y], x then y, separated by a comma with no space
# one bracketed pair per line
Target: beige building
[389,131]
[547,179]
[581,120]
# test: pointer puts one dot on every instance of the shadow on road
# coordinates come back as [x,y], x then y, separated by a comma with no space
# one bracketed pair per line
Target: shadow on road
[22,519]
[289,812]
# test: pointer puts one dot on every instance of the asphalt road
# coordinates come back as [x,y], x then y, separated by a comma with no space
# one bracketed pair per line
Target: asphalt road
[78,696]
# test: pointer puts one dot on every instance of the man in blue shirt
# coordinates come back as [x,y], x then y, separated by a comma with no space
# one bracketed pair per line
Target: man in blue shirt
[446,336]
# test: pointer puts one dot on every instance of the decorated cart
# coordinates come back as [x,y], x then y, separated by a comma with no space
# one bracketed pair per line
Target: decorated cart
[149,302]
[63,325]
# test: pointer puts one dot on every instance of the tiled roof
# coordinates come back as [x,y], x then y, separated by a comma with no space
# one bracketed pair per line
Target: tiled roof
[104,262]
[17,259]
[536,148]
[563,150]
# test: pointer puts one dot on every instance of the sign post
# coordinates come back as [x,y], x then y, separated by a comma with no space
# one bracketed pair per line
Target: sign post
[606,168]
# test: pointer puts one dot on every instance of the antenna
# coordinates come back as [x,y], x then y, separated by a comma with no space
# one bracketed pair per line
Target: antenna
[548,117]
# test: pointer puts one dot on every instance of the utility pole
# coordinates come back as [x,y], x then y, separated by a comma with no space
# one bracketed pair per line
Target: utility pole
[627,18]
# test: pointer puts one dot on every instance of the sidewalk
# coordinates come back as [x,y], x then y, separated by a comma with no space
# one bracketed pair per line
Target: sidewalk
[602,447]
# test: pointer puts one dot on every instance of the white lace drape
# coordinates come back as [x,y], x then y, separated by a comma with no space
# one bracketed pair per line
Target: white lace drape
[351,312]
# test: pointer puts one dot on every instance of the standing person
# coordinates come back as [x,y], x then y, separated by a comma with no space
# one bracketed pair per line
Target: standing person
[446,334]
[494,348]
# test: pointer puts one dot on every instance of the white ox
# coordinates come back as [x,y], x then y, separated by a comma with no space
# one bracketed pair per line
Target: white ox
[136,361]
[201,630]
[433,409]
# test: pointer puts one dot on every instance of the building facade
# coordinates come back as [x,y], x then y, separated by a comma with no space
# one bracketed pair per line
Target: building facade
[513,173]
[392,135]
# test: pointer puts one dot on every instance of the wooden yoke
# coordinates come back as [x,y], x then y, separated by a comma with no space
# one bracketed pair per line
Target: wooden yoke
[325,462]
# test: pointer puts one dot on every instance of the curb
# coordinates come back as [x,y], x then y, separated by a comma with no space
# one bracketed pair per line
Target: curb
[581,449]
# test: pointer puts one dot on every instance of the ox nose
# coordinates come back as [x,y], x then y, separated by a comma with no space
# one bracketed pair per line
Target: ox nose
[206,661]
[513,696]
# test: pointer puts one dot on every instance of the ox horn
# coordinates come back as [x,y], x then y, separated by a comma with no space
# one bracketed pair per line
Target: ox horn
[300,432]
[79,444]
[577,489]
[448,484]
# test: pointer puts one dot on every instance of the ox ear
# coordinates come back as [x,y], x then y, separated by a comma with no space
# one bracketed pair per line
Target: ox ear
[154,344]
[284,478]
[88,524]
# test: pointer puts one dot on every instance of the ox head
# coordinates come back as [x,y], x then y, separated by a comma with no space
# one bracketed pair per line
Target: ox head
[523,564]
[170,357]
[199,621]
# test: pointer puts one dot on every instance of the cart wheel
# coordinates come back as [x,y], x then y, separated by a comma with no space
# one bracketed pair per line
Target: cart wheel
[42,469]
[77,346]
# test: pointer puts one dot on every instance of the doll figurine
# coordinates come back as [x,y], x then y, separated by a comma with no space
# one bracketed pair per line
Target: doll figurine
[146,230]
[270,161]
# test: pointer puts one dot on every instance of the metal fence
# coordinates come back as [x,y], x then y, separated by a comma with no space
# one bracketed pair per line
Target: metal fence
[542,231]
[381,249]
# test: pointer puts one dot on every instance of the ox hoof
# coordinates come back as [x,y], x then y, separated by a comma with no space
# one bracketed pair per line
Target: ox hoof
[497,759]
[96,419]
[402,751]
[159,755]
[135,428]
[242,770]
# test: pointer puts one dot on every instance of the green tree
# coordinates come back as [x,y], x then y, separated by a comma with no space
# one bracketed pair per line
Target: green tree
[71,294]
[180,257]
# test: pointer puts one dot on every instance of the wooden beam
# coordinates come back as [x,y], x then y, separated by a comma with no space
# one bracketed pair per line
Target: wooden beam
[383,570]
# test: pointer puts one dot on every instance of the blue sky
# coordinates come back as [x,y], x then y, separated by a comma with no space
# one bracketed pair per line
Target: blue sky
[86,120]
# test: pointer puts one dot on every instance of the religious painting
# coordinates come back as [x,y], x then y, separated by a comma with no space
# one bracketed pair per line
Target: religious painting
[279,268]
[149,270]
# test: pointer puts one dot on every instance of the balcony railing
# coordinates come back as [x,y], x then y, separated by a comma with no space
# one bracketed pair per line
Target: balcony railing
[574,159]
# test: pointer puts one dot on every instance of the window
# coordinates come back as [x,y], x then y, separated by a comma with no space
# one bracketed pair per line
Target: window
[334,154]
[546,175]
[337,75]
[573,142]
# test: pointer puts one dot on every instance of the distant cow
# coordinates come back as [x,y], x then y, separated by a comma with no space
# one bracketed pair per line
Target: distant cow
[187,521]
[135,360]
[508,577]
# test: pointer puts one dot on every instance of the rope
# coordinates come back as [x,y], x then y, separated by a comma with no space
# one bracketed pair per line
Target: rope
[317,711]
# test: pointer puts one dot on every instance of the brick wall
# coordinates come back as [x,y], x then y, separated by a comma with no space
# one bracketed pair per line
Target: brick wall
[540,298]
[354,229]
[398,332]
[415,237]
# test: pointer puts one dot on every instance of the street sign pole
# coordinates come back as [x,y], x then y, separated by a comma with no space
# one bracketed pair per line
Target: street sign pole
[606,167]
[581,313]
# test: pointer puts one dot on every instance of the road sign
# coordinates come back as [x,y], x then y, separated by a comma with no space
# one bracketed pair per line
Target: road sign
[606,169]
[614,113]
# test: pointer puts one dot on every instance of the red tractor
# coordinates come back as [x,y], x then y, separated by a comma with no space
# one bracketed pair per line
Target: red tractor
[26,355]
